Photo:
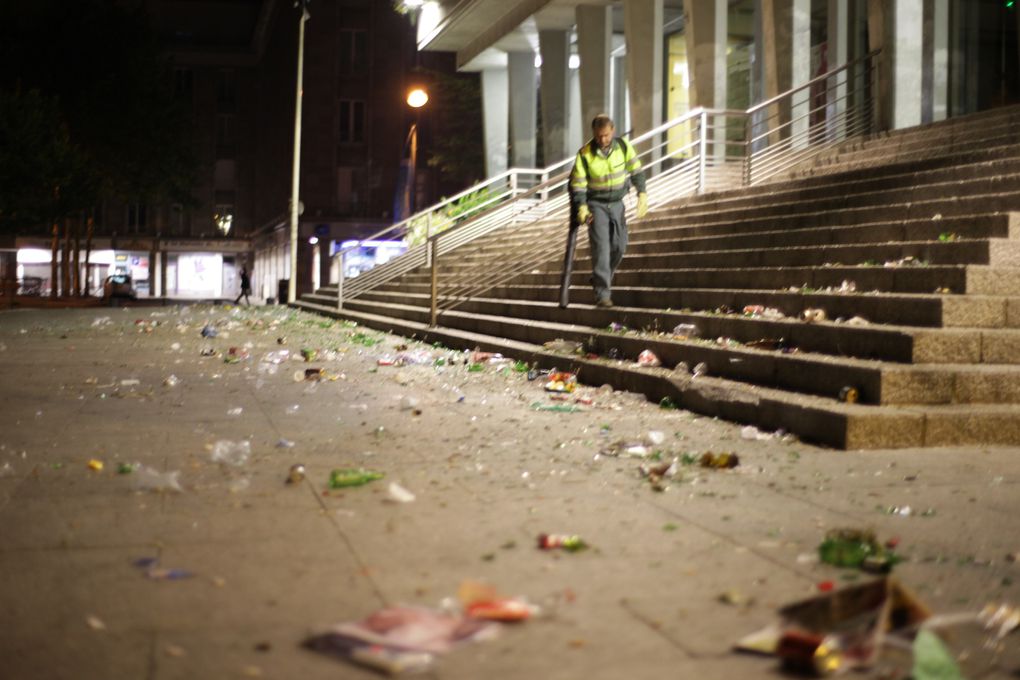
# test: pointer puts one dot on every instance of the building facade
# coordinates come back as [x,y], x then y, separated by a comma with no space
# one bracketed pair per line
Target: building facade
[548,66]
[233,68]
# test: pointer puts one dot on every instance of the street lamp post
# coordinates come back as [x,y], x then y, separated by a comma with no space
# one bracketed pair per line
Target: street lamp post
[416,99]
[296,170]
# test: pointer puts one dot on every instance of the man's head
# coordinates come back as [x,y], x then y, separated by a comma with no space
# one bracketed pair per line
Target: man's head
[602,130]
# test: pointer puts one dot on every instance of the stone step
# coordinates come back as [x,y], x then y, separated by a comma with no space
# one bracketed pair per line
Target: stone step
[918,310]
[993,252]
[815,419]
[806,372]
[910,178]
[902,344]
[893,206]
[958,279]
[645,238]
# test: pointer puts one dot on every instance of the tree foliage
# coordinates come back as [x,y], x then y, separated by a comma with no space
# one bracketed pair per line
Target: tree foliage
[456,149]
[89,95]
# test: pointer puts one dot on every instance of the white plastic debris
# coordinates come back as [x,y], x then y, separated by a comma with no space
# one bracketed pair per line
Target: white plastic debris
[231,453]
[400,494]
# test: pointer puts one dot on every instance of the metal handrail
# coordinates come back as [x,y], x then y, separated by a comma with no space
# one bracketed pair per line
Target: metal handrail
[713,158]
[817,79]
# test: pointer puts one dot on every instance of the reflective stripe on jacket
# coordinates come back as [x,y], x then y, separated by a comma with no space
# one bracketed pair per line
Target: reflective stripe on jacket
[599,177]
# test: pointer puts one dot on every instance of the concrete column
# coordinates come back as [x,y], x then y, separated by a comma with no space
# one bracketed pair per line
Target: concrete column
[935,85]
[495,107]
[523,106]
[620,109]
[786,33]
[555,49]
[705,33]
[838,50]
[575,120]
[163,262]
[594,44]
[642,24]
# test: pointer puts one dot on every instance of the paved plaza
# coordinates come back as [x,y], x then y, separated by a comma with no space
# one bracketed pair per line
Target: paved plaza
[671,579]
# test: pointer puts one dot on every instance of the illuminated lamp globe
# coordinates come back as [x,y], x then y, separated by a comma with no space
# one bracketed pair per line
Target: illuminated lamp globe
[417,98]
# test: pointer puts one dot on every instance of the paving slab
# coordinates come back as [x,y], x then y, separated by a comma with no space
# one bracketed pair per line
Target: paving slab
[273,563]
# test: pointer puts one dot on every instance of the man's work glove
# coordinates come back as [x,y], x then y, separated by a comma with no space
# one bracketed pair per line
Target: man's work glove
[583,214]
[642,204]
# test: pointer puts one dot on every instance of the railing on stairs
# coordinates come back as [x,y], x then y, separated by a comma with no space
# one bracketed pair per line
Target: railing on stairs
[703,150]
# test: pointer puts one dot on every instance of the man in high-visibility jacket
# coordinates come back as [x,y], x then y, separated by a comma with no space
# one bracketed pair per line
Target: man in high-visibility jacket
[598,184]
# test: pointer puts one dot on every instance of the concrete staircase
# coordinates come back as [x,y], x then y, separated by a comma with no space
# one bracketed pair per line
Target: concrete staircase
[915,233]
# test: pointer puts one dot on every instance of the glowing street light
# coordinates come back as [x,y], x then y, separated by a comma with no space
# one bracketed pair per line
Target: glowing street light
[417,98]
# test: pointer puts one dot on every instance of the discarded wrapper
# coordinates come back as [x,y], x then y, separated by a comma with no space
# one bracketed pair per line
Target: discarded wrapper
[561,382]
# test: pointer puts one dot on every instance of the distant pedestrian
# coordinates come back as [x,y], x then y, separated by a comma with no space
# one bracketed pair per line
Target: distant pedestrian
[245,287]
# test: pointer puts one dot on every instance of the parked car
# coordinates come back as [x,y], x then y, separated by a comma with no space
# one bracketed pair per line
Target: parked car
[118,286]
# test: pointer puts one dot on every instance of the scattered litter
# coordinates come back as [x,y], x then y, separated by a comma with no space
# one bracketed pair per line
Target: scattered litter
[236,355]
[296,474]
[719,461]
[126,468]
[236,411]
[309,355]
[849,394]
[561,346]
[171,380]
[95,464]
[856,548]
[403,629]
[648,358]
[753,433]
[345,477]
[230,452]
[570,543]
[482,601]
[95,623]
[813,315]
[130,382]
[658,473]
[700,369]
[763,312]
[409,403]
[101,321]
[842,629]
[147,478]
[399,494]
[209,332]
[561,382]
[682,331]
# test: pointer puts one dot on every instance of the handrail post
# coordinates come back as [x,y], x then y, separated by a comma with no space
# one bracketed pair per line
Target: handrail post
[748,128]
[545,191]
[340,283]
[434,302]
[702,151]
[513,183]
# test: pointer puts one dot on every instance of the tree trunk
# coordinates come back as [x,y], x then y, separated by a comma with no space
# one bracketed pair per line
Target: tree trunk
[76,272]
[54,271]
[65,274]
[89,228]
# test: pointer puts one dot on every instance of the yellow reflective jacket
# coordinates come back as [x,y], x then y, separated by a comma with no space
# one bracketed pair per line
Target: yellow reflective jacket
[598,177]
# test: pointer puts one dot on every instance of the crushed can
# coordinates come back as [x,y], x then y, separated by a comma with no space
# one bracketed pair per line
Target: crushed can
[813,653]
[849,394]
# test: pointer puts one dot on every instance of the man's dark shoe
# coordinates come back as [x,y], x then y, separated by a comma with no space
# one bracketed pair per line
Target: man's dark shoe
[604,302]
